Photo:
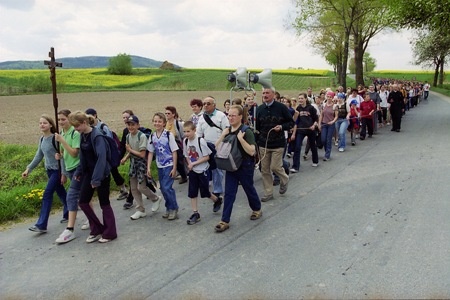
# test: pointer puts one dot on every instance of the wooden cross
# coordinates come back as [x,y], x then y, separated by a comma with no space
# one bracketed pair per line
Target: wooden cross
[52,64]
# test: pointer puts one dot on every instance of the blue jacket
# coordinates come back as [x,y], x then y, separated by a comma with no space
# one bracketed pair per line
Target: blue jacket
[93,154]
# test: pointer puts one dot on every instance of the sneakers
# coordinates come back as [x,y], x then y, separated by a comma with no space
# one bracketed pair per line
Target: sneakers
[85,225]
[37,229]
[336,143]
[325,159]
[353,143]
[165,215]
[122,196]
[289,155]
[314,165]
[65,237]
[217,204]
[194,219]
[276,182]
[156,204]
[305,156]
[173,214]
[127,205]
[341,149]
[137,215]
[93,238]
[63,220]
[182,180]
[266,198]
[293,170]
[284,188]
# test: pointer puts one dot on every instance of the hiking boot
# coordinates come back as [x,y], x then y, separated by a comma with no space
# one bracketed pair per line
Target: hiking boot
[283,188]
[173,214]
[194,218]
[217,204]
[266,198]
[37,229]
[122,196]
[127,205]
[65,237]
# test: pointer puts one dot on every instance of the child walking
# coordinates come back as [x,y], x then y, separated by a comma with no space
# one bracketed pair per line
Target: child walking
[162,144]
[197,154]
[136,146]
[47,150]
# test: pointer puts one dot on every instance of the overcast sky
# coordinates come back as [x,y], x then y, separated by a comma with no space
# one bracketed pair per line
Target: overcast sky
[190,33]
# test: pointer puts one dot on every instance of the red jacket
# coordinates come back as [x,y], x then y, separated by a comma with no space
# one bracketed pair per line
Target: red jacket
[366,107]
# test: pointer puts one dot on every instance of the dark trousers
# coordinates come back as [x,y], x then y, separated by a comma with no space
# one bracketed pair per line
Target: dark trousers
[243,175]
[108,228]
[300,136]
[118,179]
[396,116]
[366,123]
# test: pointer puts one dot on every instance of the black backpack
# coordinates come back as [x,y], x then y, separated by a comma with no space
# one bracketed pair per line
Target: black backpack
[113,153]
[212,147]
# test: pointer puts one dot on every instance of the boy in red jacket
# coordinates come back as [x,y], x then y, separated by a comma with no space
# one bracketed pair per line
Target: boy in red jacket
[367,109]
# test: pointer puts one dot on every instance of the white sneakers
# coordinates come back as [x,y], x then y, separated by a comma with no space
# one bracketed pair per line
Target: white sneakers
[137,215]
[85,225]
[341,149]
[65,237]
[156,204]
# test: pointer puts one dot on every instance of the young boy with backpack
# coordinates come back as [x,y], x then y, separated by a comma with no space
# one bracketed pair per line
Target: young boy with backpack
[197,154]
[136,150]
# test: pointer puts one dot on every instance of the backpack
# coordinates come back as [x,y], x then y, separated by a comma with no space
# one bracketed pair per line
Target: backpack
[113,153]
[114,137]
[212,147]
[147,132]
[228,156]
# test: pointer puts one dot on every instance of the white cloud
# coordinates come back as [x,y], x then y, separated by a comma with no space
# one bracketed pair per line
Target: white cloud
[190,33]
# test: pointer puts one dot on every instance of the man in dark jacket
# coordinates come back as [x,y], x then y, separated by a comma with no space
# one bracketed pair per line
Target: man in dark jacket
[395,98]
[272,119]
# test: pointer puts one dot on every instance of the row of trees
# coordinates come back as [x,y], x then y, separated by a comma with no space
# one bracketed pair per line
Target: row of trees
[336,26]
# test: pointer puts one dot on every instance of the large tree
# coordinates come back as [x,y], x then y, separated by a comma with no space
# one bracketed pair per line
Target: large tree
[314,16]
[431,49]
[359,20]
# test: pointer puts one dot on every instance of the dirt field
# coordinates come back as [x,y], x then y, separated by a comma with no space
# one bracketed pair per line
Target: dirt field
[20,114]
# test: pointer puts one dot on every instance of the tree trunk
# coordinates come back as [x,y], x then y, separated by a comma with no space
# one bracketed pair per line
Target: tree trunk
[441,72]
[344,65]
[436,74]
[359,56]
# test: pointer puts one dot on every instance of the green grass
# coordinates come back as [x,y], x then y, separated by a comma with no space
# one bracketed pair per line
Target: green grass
[18,197]
[150,79]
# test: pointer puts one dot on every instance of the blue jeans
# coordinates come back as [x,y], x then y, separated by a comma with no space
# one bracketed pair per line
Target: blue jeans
[299,137]
[341,127]
[53,185]
[217,179]
[327,136]
[244,175]
[166,182]
[73,193]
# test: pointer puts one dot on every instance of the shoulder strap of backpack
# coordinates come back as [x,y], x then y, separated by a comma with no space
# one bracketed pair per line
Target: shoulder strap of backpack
[199,145]
[209,121]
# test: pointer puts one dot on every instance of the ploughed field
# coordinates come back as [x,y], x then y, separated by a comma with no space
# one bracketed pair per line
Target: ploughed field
[20,114]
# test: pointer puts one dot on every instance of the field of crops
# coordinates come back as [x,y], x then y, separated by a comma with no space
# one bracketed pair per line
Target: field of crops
[14,82]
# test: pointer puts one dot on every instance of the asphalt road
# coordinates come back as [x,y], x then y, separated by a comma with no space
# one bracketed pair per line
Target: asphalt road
[373,222]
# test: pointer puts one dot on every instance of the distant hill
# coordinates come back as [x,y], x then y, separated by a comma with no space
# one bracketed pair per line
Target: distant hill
[83,62]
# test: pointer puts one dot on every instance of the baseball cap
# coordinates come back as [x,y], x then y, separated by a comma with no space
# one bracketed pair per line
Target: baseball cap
[132,119]
[91,111]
